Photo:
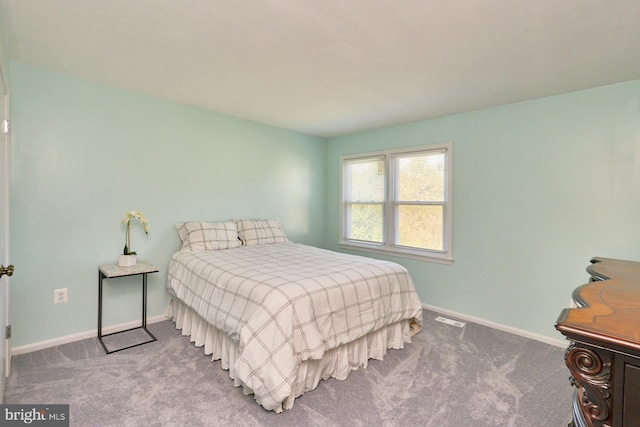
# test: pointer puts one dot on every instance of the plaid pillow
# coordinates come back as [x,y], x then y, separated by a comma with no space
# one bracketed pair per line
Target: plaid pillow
[208,236]
[260,232]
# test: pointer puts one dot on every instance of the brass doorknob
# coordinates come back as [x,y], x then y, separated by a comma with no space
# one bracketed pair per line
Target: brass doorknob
[8,270]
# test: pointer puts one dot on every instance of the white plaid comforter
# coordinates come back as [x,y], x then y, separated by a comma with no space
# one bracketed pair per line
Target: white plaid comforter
[288,302]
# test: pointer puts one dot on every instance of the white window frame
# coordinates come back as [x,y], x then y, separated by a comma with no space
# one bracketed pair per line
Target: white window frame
[389,226]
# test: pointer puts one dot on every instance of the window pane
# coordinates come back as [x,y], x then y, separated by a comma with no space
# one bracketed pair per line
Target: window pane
[366,223]
[421,177]
[367,180]
[421,226]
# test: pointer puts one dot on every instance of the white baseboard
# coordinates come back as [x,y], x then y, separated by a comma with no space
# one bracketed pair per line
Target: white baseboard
[93,333]
[82,336]
[547,340]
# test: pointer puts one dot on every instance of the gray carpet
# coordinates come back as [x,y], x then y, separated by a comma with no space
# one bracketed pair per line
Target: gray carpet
[447,377]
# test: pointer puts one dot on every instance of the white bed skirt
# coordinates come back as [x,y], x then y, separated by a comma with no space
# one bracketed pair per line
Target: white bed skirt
[336,363]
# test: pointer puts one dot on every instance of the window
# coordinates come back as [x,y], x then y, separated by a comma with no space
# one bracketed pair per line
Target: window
[399,202]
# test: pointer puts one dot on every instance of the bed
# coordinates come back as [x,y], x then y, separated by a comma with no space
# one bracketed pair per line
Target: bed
[280,316]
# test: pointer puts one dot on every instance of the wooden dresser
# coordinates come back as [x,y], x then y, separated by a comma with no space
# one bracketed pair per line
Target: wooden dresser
[604,354]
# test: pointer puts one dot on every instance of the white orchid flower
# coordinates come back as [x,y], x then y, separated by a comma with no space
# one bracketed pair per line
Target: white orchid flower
[127,220]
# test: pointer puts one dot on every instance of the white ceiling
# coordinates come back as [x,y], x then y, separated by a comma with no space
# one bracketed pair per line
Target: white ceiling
[331,67]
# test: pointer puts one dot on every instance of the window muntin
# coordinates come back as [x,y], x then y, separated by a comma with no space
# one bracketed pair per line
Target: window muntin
[399,201]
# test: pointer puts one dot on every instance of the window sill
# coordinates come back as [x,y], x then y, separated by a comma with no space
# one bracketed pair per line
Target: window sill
[408,253]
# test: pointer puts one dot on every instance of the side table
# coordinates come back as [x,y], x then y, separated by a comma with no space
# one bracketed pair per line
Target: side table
[110,271]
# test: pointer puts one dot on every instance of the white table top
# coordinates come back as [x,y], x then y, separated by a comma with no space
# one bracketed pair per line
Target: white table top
[113,270]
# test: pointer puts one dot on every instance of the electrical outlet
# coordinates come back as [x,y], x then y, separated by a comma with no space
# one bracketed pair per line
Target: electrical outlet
[60,296]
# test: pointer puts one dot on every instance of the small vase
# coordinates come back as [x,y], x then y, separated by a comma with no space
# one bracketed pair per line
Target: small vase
[126,260]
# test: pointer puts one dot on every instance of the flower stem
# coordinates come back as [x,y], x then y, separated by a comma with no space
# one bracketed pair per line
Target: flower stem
[128,238]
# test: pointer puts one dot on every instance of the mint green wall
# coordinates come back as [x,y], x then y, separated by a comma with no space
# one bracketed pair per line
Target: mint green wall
[83,154]
[539,188]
